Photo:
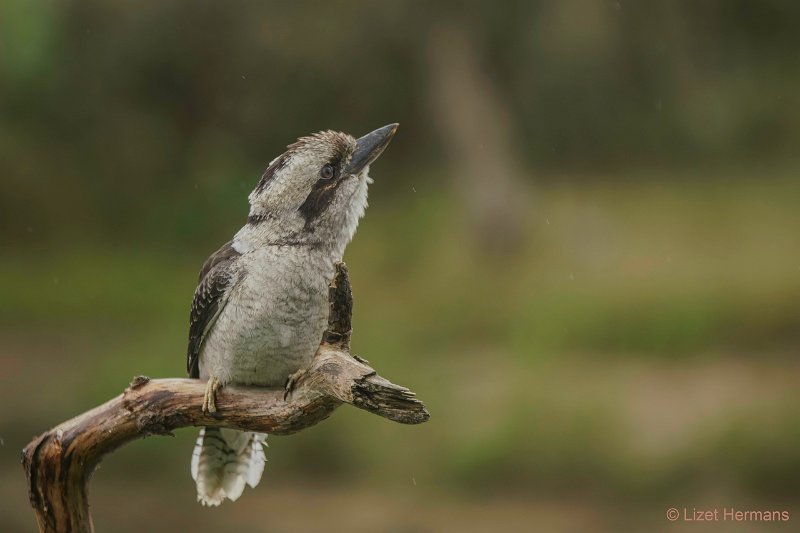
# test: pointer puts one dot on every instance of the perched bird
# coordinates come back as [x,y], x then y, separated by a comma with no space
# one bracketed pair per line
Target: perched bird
[261,305]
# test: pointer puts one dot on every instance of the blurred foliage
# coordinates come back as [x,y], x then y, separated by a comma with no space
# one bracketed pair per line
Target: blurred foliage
[637,351]
[115,109]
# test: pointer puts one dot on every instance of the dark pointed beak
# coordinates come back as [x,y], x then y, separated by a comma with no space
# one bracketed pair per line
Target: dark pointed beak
[369,147]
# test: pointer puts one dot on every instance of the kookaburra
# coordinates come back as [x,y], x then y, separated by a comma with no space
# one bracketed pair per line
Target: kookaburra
[261,305]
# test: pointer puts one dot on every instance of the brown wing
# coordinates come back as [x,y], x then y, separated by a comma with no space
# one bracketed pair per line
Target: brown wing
[209,299]
[225,253]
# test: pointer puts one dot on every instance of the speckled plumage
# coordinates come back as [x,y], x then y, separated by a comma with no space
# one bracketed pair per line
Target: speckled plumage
[261,305]
[275,315]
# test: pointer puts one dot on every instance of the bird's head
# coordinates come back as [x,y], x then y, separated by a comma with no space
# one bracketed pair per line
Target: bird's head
[316,191]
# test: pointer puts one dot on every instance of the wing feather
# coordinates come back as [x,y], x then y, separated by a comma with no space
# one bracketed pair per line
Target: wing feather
[209,299]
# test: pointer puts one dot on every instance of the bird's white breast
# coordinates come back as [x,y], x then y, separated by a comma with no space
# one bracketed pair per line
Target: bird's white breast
[274,318]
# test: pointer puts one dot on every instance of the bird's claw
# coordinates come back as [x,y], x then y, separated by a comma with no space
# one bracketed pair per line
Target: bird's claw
[291,381]
[210,396]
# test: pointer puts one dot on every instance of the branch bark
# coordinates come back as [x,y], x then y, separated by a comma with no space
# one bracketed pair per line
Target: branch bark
[59,463]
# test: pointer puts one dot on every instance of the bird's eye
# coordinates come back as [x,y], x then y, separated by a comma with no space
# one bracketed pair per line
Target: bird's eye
[327,172]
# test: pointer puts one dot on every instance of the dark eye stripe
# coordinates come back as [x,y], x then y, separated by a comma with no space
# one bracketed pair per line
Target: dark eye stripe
[320,197]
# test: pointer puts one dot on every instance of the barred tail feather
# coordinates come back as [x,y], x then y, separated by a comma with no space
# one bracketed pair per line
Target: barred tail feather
[224,461]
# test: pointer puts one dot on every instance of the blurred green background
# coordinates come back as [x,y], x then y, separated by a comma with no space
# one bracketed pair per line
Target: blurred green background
[582,250]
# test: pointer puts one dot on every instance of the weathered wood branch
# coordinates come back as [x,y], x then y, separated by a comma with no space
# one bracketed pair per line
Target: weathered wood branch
[59,463]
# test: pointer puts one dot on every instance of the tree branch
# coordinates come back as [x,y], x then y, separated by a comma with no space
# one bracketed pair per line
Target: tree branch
[60,462]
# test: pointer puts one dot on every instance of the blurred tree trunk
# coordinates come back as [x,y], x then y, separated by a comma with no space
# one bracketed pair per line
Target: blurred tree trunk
[476,128]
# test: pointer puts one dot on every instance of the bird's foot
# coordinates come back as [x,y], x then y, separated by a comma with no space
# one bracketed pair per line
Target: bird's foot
[210,397]
[291,381]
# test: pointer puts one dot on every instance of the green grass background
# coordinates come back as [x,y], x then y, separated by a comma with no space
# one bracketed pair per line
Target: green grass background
[640,353]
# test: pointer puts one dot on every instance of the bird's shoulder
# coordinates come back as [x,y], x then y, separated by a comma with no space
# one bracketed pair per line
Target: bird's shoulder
[224,255]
